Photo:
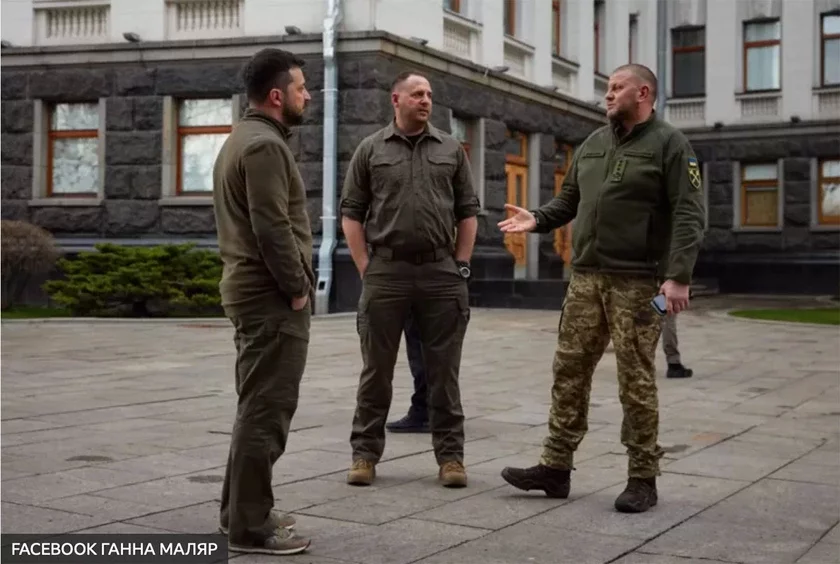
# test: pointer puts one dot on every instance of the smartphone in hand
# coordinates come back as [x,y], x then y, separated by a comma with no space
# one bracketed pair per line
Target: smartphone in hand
[660,304]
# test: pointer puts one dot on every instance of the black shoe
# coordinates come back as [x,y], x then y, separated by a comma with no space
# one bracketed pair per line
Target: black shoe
[554,482]
[411,423]
[679,371]
[638,496]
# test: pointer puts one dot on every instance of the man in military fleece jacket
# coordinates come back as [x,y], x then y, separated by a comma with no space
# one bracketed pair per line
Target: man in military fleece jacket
[265,242]
[635,193]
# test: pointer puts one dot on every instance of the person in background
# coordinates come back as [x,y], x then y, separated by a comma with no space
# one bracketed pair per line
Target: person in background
[670,346]
[417,418]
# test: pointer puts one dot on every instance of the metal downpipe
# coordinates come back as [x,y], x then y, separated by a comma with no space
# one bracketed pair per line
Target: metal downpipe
[328,213]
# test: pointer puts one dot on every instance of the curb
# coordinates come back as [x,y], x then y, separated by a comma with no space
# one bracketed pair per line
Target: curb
[215,321]
[727,314]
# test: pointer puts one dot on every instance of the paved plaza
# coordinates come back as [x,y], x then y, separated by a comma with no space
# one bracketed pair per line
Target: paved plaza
[124,426]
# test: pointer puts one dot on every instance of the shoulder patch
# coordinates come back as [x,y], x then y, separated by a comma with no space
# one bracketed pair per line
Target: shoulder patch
[694,173]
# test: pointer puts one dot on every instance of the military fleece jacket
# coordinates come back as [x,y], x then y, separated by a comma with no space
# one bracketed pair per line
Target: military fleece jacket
[264,232]
[637,202]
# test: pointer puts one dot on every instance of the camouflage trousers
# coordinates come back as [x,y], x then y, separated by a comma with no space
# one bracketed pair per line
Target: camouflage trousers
[597,308]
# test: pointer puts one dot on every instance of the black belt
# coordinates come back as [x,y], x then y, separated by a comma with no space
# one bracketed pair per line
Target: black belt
[412,257]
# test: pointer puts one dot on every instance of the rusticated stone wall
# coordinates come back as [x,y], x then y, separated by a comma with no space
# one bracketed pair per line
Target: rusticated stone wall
[134,133]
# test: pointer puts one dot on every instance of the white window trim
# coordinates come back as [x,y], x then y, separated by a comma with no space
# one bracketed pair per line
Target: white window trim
[40,150]
[815,199]
[737,203]
[169,155]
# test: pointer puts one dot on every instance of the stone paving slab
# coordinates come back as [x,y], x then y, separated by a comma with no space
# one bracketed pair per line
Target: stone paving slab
[123,427]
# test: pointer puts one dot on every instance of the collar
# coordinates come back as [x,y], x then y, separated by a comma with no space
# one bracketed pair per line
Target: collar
[430,130]
[621,135]
[253,114]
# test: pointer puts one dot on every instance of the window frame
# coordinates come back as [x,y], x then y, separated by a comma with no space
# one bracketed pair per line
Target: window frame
[509,25]
[55,134]
[456,6]
[823,220]
[823,39]
[747,45]
[556,19]
[690,49]
[182,131]
[763,185]
[597,37]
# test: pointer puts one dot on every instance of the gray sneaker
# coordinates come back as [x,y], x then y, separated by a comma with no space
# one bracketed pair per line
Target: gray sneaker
[276,520]
[283,542]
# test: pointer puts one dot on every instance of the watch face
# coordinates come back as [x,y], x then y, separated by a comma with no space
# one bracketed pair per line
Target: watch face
[465,271]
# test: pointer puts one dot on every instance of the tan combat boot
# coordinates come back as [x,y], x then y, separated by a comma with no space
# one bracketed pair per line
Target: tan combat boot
[361,473]
[452,474]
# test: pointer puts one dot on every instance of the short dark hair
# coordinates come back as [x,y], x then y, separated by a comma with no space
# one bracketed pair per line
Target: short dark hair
[644,74]
[403,76]
[268,68]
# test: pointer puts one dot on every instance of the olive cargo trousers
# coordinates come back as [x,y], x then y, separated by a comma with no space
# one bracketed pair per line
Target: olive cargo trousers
[437,297]
[271,356]
[599,307]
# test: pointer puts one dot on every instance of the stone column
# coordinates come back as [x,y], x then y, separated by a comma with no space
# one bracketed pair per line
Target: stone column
[800,67]
[541,16]
[580,25]
[721,79]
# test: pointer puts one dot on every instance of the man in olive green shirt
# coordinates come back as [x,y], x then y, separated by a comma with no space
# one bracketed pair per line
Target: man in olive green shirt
[634,191]
[265,242]
[408,189]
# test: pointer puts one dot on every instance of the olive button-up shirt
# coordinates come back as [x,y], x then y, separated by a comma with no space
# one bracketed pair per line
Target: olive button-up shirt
[409,197]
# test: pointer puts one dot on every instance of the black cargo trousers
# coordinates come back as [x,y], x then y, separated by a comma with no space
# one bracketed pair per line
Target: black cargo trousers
[429,287]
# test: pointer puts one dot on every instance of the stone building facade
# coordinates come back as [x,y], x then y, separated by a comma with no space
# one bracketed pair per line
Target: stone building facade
[139,196]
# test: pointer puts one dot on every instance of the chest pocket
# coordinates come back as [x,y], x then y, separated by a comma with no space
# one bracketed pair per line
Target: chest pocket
[386,171]
[590,172]
[642,171]
[442,166]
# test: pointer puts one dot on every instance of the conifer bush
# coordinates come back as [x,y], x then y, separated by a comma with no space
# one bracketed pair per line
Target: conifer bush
[157,281]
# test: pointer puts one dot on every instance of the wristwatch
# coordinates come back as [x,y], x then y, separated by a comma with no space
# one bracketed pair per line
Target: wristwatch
[464,269]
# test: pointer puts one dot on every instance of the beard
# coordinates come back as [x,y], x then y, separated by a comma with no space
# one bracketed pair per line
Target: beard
[292,117]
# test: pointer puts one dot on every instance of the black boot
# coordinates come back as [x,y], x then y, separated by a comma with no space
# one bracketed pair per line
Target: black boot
[554,482]
[679,371]
[638,496]
[413,422]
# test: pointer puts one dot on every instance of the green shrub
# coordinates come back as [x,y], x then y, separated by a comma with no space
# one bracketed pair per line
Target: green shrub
[27,251]
[159,281]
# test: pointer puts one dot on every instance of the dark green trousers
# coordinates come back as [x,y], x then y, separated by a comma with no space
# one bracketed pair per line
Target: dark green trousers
[436,295]
[271,356]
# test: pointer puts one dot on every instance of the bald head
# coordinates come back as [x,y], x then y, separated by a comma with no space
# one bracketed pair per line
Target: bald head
[643,75]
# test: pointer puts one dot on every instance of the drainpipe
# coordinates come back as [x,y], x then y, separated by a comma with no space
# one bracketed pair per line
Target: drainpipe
[328,214]
[662,54]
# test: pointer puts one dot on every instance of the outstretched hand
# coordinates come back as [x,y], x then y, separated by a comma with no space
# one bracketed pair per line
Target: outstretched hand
[676,296]
[521,222]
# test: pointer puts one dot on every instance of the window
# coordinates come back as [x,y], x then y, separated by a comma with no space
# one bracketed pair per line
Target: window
[203,126]
[73,150]
[633,39]
[760,195]
[762,55]
[555,27]
[599,15]
[462,131]
[688,62]
[452,5]
[828,193]
[510,17]
[830,48]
